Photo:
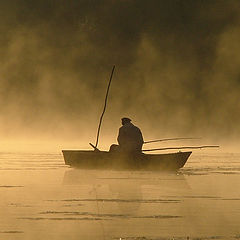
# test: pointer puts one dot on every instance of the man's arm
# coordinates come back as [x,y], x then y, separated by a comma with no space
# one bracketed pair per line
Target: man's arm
[119,138]
[140,136]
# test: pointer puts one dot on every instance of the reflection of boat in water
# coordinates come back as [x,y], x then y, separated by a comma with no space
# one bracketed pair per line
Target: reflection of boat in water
[94,177]
[124,189]
[107,160]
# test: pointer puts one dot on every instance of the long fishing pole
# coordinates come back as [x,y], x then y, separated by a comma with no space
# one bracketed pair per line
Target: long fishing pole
[104,109]
[168,139]
[187,147]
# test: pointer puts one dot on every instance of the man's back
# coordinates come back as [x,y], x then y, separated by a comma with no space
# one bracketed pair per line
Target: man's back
[130,138]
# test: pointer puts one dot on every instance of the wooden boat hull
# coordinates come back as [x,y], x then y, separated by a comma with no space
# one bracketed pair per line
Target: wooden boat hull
[106,160]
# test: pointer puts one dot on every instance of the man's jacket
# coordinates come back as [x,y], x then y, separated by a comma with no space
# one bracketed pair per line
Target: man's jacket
[130,138]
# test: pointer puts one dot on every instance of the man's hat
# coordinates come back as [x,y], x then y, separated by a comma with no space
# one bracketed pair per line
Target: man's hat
[125,119]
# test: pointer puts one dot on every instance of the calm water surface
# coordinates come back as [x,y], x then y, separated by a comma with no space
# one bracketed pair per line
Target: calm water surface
[41,198]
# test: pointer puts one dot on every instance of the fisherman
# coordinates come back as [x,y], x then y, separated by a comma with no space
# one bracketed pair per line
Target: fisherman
[130,138]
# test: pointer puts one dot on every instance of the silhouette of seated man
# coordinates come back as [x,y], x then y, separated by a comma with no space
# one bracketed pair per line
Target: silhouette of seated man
[130,138]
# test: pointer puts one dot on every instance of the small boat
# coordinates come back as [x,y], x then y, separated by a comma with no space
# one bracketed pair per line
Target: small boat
[107,160]
[118,161]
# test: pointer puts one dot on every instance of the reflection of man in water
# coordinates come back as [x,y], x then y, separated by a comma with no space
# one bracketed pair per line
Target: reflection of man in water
[130,138]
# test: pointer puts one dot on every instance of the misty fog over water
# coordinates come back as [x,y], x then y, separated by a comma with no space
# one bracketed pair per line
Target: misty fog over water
[177,68]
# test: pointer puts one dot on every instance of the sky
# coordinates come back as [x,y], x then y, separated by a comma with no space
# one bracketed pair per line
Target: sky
[177,68]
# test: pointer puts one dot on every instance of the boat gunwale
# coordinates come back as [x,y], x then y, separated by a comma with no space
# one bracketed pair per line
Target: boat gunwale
[146,154]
